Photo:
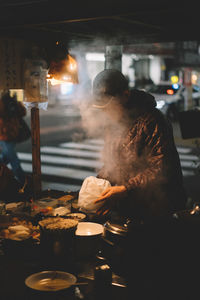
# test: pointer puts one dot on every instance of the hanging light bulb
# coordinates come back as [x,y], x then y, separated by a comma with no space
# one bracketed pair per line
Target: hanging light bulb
[63,67]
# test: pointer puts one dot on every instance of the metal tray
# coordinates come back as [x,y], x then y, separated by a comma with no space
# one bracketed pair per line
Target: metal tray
[50,281]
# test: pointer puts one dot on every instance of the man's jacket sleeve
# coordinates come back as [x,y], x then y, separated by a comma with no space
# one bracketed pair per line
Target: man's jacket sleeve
[155,143]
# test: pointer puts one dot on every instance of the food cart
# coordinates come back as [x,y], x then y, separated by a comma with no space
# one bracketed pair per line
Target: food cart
[160,259]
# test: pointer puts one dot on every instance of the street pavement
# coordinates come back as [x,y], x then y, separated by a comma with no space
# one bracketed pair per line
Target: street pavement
[66,162]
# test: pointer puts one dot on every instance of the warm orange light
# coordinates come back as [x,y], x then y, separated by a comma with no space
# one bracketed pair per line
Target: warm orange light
[196,209]
[54,81]
[72,63]
[170,92]
[194,78]
[63,71]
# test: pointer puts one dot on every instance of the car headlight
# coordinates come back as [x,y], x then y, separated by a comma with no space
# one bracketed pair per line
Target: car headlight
[160,104]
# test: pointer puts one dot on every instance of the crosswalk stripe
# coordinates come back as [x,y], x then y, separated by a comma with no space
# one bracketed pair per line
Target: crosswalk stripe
[62,160]
[188,157]
[59,186]
[60,172]
[188,164]
[65,172]
[72,152]
[86,154]
[183,150]
[95,141]
[82,146]
[187,173]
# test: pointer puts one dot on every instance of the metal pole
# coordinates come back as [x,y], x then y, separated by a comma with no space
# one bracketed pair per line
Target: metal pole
[36,161]
[113,57]
[188,84]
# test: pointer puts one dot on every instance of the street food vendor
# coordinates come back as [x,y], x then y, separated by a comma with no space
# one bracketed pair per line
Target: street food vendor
[140,158]
[10,112]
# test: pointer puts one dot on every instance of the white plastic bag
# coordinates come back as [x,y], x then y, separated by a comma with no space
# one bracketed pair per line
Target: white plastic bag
[91,189]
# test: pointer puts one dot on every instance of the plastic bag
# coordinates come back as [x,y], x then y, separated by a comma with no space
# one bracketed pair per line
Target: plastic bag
[40,105]
[91,189]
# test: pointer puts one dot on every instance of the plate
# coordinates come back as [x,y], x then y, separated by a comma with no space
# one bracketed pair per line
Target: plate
[89,229]
[50,281]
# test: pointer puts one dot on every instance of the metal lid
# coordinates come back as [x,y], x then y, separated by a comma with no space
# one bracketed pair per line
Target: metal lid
[120,229]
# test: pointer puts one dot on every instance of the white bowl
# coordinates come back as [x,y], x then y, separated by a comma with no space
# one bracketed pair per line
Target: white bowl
[89,229]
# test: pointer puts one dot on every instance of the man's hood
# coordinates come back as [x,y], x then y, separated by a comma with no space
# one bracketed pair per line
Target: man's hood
[141,100]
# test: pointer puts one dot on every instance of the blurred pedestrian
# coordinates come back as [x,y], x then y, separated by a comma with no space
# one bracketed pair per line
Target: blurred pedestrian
[10,111]
[9,186]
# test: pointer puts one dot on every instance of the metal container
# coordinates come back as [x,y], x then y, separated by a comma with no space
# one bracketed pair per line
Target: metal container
[113,231]
[57,243]
[88,240]
[115,243]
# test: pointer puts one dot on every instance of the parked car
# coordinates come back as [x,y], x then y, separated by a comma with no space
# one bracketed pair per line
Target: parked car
[196,94]
[170,97]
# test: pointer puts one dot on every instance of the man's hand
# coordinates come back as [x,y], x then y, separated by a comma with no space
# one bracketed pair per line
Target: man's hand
[109,198]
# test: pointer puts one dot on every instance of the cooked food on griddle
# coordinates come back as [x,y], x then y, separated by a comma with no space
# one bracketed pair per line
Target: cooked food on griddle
[57,223]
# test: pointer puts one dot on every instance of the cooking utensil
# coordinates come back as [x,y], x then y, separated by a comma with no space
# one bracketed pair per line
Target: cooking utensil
[115,244]
[88,239]
[51,281]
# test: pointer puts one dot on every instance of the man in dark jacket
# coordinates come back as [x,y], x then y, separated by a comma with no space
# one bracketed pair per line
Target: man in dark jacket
[140,157]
